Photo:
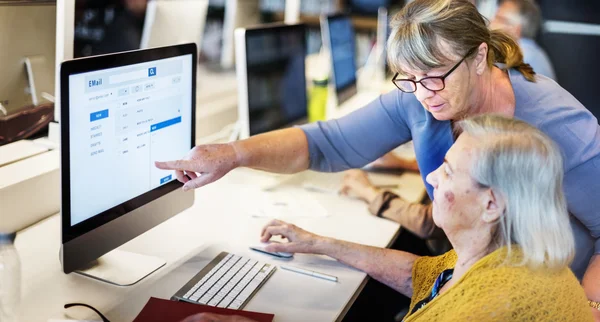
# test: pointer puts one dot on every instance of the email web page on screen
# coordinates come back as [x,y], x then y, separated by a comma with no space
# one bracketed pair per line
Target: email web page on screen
[122,120]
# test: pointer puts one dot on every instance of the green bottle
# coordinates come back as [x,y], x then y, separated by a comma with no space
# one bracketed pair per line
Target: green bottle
[318,100]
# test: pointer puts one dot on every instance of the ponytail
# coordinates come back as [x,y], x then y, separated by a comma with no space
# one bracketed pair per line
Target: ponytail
[503,49]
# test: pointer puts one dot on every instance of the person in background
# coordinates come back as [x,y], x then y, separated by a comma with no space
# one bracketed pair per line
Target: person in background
[449,66]
[505,217]
[521,19]
[386,204]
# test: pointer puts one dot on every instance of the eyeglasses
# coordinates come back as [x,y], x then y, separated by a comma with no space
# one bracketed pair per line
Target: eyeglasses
[433,83]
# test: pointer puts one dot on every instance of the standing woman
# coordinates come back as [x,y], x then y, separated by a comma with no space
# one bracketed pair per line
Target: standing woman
[449,66]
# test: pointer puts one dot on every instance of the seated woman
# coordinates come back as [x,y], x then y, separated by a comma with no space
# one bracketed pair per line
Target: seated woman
[499,199]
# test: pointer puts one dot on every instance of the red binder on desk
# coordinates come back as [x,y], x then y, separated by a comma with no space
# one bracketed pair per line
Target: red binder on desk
[159,310]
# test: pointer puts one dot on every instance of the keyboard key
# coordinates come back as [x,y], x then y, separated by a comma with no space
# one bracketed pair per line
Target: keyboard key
[235,304]
[205,299]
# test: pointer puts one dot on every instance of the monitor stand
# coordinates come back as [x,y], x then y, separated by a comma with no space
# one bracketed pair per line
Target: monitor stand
[122,268]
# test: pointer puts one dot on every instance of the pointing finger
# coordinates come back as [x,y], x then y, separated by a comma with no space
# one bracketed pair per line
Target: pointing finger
[175,165]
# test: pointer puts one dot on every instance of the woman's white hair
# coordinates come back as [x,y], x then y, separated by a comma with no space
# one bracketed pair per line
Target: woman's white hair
[525,166]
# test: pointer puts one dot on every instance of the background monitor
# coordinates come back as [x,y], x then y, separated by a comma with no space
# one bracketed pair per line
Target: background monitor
[271,77]
[339,40]
[380,49]
[28,45]
[120,113]
[172,22]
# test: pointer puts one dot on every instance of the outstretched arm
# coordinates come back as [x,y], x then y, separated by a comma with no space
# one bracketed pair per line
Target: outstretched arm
[283,151]
[391,267]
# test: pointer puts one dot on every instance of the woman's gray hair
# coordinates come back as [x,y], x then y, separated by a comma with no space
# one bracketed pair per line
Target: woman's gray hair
[422,26]
[525,166]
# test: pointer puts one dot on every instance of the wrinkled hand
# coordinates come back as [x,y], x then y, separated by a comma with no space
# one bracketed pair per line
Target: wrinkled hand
[299,240]
[357,183]
[203,164]
[211,317]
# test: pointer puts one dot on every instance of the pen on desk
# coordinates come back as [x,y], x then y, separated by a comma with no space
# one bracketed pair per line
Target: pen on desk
[310,273]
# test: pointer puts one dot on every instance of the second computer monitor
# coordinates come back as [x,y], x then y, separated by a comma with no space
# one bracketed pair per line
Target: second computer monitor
[271,77]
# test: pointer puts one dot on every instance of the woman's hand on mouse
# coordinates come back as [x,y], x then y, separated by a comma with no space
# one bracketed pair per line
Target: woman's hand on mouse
[299,240]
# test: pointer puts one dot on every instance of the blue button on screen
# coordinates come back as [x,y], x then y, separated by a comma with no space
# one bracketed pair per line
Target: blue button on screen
[167,123]
[166,179]
[98,115]
[151,71]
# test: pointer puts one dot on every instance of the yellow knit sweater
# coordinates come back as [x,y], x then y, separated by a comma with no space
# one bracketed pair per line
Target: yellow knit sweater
[494,291]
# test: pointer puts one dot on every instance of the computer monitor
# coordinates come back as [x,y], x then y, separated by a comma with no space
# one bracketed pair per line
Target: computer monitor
[172,22]
[271,77]
[238,14]
[28,54]
[339,40]
[120,113]
[380,49]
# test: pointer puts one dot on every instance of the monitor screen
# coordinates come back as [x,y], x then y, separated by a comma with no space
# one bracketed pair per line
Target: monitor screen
[343,51]
[121,120]
[276,77]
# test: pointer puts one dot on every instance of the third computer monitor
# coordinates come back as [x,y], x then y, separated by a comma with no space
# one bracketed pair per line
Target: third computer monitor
[338,38]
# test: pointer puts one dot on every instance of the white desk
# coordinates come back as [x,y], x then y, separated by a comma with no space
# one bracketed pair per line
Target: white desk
[218,221]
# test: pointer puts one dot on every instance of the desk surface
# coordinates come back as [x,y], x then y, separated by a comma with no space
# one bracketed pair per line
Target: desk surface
[218,221]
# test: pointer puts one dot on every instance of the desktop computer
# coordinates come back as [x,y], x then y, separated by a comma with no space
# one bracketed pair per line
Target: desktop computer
[271,77]
[172,22]
[120,113]
[27,55]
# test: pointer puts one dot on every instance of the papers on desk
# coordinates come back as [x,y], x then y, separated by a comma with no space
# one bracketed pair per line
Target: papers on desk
[282,205]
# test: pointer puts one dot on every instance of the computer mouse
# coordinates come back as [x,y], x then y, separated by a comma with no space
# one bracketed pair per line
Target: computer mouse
[261,248]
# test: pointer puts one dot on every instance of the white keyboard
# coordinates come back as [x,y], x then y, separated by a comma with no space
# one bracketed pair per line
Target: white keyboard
[228,281]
